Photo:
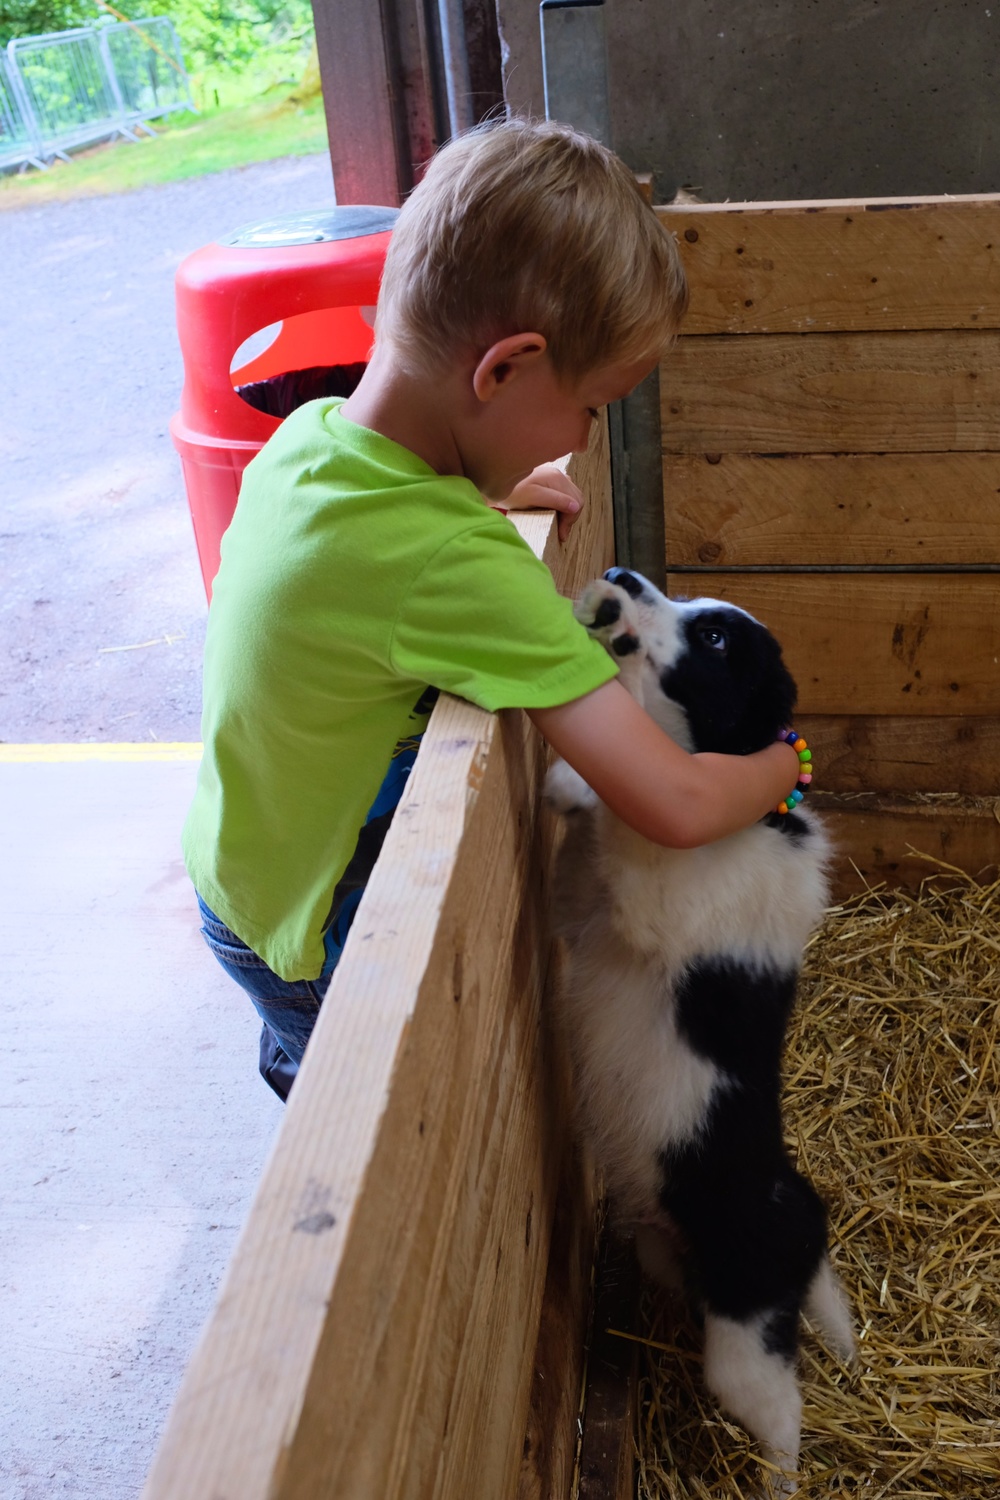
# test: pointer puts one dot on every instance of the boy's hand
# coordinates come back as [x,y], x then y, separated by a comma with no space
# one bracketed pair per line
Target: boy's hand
[548,488]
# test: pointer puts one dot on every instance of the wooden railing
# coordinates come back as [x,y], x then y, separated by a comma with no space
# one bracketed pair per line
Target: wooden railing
[375,1335]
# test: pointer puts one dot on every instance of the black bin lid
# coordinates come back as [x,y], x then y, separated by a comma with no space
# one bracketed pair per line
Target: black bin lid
[315,228]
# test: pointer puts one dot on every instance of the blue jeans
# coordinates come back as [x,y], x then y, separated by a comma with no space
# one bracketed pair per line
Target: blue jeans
[288,1008]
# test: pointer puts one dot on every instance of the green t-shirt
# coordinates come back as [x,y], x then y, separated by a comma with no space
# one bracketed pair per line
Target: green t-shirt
[353,576]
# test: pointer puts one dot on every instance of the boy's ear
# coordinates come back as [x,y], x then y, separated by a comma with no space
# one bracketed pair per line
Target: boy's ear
[505,360]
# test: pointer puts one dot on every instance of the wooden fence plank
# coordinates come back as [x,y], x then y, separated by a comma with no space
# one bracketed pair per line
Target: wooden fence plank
[300,1388]
[833,393]
[830,509]
[375,1333]
[864,753]
[884,839]
[883,643]
[880,264]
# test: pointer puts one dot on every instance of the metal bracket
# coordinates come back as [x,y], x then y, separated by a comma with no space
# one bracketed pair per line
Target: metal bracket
[575,65]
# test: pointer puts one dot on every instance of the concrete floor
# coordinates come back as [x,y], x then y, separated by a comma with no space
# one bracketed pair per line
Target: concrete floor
[134,1124]
[102,607]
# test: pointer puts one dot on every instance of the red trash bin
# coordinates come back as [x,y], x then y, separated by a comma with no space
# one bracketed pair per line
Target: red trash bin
[311,281]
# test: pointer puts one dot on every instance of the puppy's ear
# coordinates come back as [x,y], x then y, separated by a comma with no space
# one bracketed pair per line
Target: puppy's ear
[769,703]
[777,691]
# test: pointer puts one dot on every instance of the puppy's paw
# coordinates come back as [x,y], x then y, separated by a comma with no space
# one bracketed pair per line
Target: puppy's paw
[609,614]
[566,791]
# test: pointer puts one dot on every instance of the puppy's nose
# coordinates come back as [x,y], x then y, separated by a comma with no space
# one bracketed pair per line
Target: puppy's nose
[630,582]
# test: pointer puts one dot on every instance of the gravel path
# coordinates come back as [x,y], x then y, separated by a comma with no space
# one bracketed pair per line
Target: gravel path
[96,547]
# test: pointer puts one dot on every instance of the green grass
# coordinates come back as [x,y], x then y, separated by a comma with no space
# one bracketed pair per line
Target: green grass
[186,145]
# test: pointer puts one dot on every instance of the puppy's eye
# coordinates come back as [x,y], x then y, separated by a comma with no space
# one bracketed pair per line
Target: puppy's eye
[711,635]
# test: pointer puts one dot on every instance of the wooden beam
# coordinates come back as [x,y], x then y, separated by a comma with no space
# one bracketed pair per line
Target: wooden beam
[905,754]
[868,265]
[833,393]
[879,643]
[884,838]
[374,1338]
[874,510]
[382,1245]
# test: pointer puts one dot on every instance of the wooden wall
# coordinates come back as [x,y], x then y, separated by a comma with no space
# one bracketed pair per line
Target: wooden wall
[375,1335]
[831,461]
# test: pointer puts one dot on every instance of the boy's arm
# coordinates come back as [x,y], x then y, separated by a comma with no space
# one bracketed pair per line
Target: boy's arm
[654,786]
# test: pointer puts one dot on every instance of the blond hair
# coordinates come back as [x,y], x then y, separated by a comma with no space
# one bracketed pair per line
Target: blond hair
[529,225]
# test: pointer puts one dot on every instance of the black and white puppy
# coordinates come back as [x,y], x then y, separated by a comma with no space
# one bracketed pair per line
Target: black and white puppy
[680,976]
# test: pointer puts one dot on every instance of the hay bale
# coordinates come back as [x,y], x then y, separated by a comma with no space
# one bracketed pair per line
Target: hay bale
[892,1111]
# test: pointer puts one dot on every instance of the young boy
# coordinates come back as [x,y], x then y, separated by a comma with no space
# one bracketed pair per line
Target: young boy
[527,284]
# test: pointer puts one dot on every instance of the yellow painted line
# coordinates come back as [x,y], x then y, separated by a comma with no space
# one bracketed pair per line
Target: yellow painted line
[148,750]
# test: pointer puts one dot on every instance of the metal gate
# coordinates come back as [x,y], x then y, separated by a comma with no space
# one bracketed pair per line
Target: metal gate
[71,88]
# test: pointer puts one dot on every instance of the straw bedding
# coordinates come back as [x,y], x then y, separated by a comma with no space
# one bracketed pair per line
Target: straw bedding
[891,1107]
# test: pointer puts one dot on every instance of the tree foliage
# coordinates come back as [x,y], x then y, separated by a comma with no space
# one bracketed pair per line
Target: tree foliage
[213,33]
[230,33]
[35,17]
